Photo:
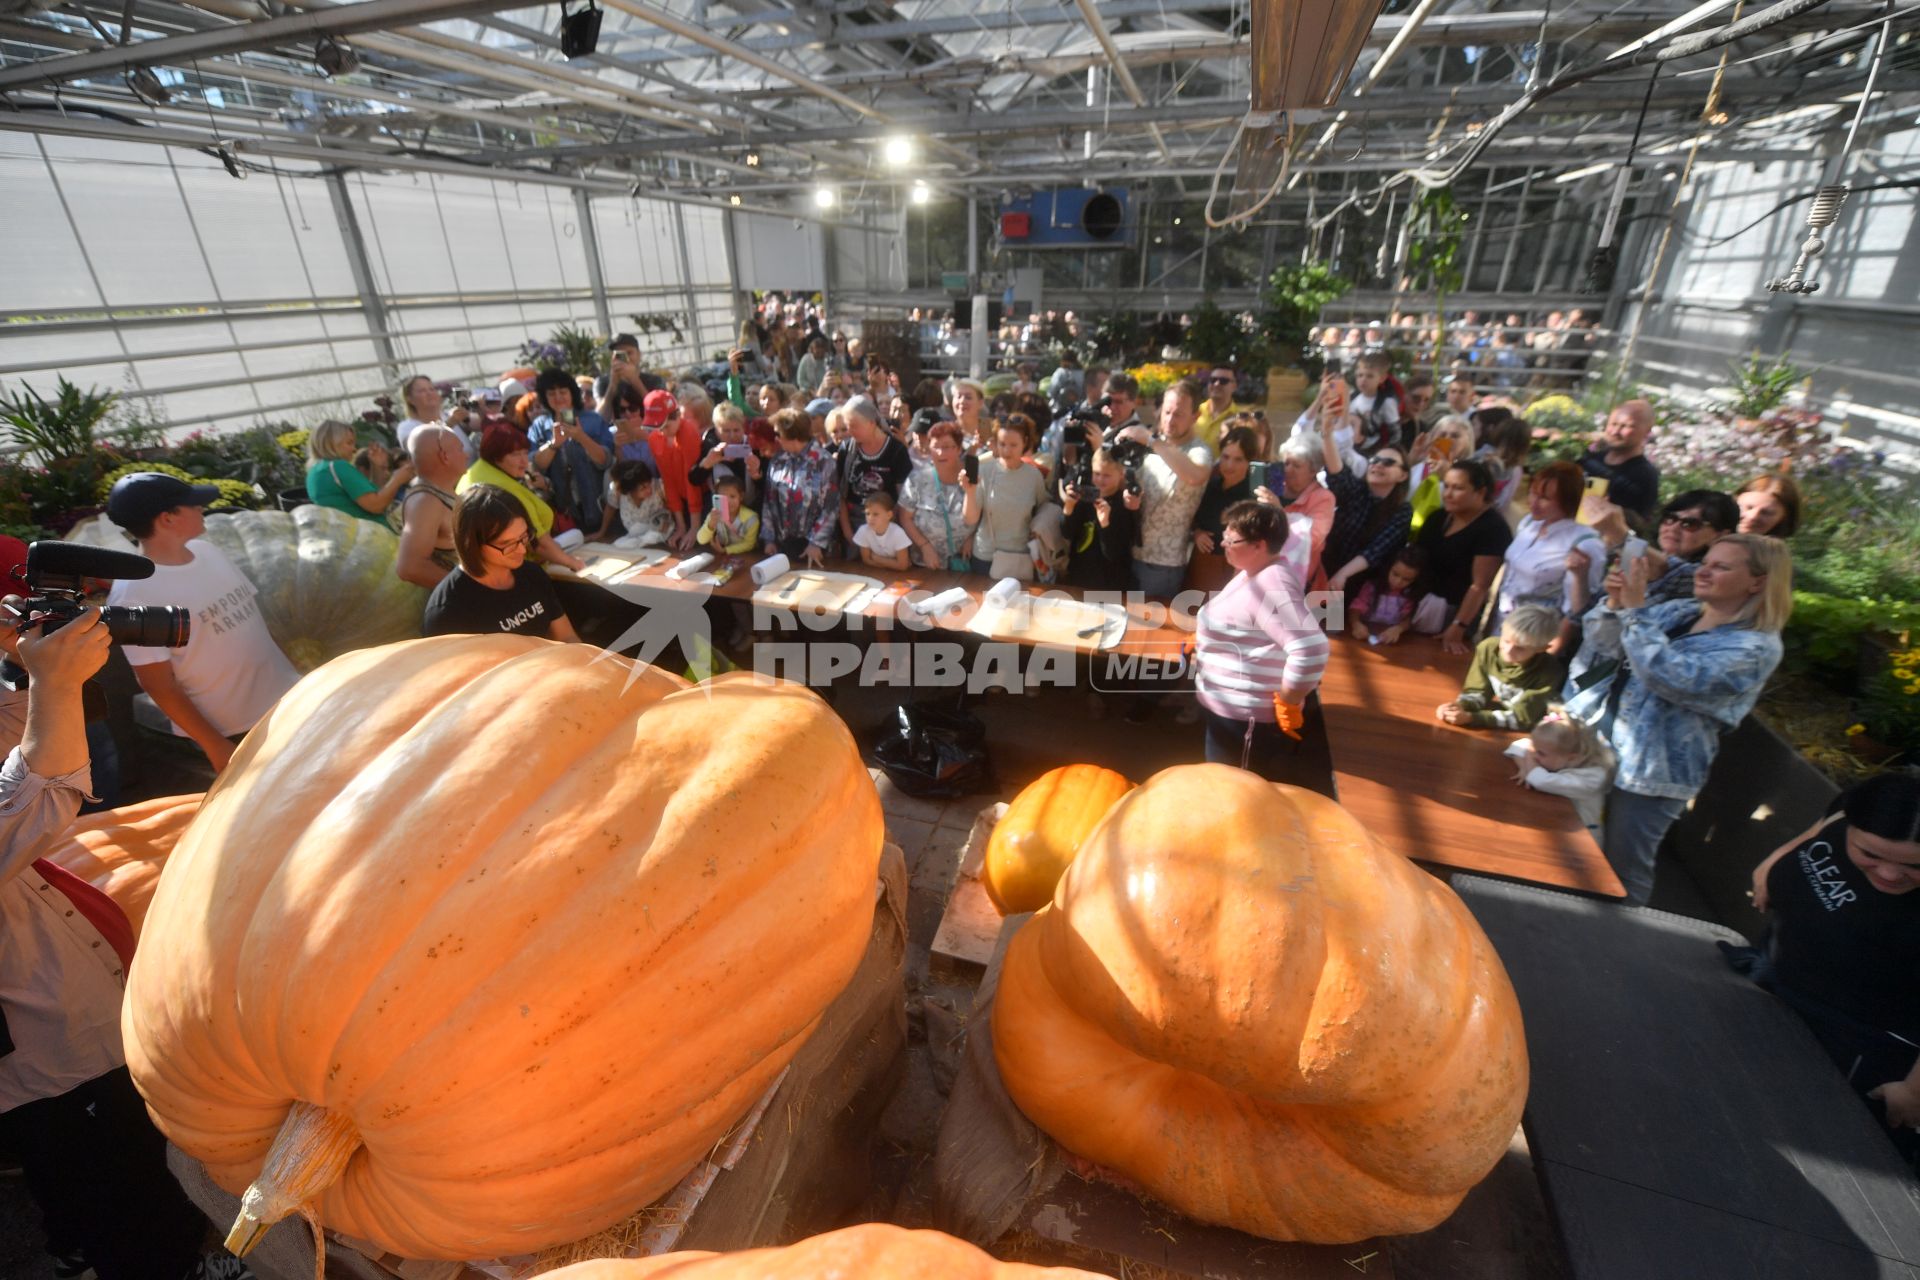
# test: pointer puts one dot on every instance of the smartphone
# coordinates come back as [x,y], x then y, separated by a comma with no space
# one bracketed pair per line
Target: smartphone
[1597,487]
[722,509]
[740,450]
[971,465]
[1257,472]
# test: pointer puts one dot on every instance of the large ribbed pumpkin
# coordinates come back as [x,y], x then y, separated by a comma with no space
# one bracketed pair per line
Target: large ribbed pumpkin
[491,949]
[325,579]
[874,1251]
[1245,1004]
[121,851]
[1036,839]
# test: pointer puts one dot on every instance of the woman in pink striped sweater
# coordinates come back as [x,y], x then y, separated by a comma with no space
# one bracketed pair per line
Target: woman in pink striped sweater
[1259,652]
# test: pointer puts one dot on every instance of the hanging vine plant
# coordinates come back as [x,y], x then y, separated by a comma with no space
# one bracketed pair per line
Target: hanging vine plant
[1436,232]
[648,323]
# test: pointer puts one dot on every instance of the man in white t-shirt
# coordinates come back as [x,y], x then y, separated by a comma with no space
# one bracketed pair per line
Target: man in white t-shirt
[1172,479]
[230,672]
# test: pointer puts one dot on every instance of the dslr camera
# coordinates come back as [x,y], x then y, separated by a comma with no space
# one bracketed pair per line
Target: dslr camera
[56,591]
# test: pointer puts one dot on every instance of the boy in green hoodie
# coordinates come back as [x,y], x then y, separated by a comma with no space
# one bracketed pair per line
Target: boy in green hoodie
[1513,677]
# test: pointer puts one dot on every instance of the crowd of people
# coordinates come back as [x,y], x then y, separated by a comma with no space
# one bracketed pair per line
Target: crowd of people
[1622,629]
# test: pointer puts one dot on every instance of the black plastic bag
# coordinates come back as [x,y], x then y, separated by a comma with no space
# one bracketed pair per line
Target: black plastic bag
[936,752]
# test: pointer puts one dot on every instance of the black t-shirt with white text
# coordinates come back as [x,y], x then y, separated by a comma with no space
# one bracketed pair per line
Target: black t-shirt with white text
[861,476]
[1838,939]
[462,606]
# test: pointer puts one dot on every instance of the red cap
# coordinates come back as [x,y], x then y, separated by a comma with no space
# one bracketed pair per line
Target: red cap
[657,408]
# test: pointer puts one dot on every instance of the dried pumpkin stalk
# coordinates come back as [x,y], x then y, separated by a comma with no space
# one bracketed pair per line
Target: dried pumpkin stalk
[308,1155]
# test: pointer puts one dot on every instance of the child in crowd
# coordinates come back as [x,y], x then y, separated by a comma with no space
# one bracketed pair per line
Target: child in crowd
[1379,607]
[883,544]
[1100,531]
[1377,402]
[1513,678]
[633,495]
[1566,757]
[732,524]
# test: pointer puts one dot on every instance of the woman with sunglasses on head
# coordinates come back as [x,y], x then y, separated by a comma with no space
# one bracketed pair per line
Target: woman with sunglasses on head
[1843,941]
[495,588]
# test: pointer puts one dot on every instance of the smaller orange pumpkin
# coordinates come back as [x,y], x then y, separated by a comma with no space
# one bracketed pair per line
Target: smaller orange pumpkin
[1041,832]
[873,1251]
[121,851]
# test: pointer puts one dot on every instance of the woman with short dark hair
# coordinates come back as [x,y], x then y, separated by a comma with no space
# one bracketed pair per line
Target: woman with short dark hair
[1258,652]
[495,588]
[1466,541]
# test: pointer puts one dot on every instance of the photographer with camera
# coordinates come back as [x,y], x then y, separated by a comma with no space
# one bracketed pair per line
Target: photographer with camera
[68,1109]
[230,672]
[1173,467]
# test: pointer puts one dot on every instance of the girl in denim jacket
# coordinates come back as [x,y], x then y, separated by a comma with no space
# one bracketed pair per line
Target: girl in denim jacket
[1664,682]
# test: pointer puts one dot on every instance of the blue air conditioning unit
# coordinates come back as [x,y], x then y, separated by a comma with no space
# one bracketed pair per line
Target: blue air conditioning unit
[1068,218]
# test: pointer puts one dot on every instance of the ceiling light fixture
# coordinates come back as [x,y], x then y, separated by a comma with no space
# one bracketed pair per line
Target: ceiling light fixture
[733,199]
[334,58]
[824,197]
[921,193]
[146,86]
[898,151]
[579,31]
[753,159]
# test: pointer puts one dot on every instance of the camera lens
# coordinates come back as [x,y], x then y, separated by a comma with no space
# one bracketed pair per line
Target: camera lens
[159,626]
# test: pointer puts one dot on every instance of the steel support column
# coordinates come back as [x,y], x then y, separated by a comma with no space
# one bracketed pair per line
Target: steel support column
[686,279]
[372,306]
[590,245]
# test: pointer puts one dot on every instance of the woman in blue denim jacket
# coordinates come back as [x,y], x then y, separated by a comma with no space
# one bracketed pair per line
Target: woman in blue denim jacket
[1692,669]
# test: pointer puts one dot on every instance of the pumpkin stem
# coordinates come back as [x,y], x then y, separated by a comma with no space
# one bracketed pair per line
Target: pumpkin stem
[308,1155]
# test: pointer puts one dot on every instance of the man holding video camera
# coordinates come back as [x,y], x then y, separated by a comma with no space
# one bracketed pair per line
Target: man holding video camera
[68,1108]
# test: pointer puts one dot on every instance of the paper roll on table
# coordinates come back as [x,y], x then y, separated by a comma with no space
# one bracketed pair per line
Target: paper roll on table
[951,598]
[769,569]
[687,568]
[1002,592]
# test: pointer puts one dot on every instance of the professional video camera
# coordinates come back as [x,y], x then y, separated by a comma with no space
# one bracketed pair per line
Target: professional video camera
[56,587]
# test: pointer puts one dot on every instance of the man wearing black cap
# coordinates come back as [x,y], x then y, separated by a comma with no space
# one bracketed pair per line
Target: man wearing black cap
[230,672]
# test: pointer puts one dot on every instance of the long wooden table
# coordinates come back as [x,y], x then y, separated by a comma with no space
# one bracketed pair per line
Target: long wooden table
[1435,793]
[1438,793]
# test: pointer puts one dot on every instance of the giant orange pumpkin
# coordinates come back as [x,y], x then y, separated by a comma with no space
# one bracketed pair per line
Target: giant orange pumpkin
[121,851]
[1243,1003]
[490,949]
[1042,830]
[874,1251]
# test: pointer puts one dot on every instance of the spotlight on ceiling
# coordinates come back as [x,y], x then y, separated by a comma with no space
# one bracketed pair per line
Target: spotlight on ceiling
[898,151]
[580,31]
[734,198]
[922,193]
[146,86]
[824,196]
[753,159]
[334,58]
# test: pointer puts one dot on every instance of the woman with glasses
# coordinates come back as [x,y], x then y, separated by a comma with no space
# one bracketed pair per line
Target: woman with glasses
[1843,942]
[1371,515]
[1259,653]
[495,588]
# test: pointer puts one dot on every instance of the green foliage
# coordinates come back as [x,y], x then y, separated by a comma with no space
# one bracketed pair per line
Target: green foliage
[581,352]
[1294,298]
[255,456]
[162,468]
[294,442]
[1436,234]
[1218,337]
[1760,385]
[1890,703]
[648,323]
[236,495]
[64,427]
[1119,335]
[16,501]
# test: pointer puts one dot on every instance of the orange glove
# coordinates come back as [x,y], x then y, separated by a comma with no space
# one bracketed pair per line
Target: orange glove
[1290,716]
